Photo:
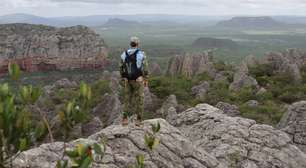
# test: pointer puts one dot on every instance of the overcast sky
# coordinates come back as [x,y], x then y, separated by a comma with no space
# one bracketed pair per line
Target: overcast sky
[186,7]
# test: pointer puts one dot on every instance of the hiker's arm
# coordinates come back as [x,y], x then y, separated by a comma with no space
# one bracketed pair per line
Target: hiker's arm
[145,66]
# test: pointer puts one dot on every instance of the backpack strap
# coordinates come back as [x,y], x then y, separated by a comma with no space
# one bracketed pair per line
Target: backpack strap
[127,54]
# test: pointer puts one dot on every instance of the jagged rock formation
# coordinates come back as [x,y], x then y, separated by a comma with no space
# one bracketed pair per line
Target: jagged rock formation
[43,48]
[243,79]
[123,144]
[294,123]
[289,61]
[238,142]
[206,42]
[155,69]
[192,64]
[204,137]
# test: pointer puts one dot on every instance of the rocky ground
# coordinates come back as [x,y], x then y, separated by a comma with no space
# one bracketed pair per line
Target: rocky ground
[202,136]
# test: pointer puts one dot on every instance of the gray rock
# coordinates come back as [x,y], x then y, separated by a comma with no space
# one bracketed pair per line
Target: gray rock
[289,62]
[109,110]
[191,64]
[200,91]
[242,79]
[171,115]
[91,127]
[150,101]
[44,48]
[261,91]
[238,142]
[155,69]
[123,144]
[252,103]
[228,109]
[170,102]
[294,123]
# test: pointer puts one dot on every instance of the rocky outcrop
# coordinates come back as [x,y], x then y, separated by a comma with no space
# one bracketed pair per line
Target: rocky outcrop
[170,102]
[242,79]
[192,64]
[155,69]
[238,142]
[123,144]
[289,61]
[200,91]
[43,48]
[294,123]
[228,109]
[203,137]
[109,110]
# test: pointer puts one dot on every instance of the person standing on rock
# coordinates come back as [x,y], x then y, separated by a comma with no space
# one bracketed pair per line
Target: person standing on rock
[134,73]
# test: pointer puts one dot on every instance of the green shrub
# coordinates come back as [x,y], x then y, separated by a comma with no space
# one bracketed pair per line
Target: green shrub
[163,86]
[99,88]
[268,113]
[17,132]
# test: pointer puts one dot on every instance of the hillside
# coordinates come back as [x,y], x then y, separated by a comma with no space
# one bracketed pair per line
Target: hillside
[115,22]
[250,22]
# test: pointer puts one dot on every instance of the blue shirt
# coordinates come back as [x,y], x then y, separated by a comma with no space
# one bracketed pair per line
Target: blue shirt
[139,56]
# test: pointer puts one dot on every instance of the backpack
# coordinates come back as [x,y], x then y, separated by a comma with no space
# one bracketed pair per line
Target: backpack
[130,69]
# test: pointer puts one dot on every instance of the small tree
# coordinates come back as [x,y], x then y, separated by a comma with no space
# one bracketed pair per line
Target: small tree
[16,129]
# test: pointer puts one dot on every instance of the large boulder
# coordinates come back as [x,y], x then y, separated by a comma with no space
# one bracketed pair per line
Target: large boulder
[294,123]
[170,102]
[44,48]
[238,142]
[109,110]
[242,79]
[123,144]
[200,91]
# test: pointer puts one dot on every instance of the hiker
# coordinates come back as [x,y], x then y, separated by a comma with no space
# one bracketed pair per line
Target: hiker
[134,73]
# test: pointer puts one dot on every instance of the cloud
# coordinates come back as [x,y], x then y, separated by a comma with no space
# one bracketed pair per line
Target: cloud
[198,7]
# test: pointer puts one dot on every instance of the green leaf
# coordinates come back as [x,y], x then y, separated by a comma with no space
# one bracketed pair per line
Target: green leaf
[22,144]
[81,149]
[155,127]
[140,161]
[86,162]
[62,164]
[14,71]
[72,153]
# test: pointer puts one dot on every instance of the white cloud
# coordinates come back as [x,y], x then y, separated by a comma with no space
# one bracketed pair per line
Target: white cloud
[201,7]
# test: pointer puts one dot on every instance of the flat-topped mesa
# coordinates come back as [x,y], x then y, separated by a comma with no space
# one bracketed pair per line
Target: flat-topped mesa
[44,48]
[191,64]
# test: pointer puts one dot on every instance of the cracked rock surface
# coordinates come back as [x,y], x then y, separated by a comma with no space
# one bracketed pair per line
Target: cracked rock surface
[123,144]
[201,137]
[294,123]
[238,142]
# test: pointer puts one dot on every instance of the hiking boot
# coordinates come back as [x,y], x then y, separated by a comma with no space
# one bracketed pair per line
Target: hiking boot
[125,122]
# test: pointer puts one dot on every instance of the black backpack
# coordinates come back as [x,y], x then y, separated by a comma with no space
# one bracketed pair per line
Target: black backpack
[130,70]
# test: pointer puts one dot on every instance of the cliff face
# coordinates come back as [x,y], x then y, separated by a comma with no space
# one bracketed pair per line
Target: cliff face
[43,48]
